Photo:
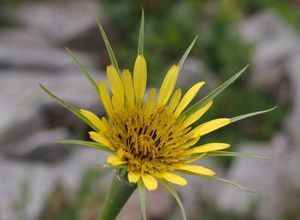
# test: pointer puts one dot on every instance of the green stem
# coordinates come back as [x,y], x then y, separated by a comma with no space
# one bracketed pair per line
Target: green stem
[119,193]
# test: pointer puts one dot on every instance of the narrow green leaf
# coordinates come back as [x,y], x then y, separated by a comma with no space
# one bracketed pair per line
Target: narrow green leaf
[109,49]
[235,154]
[234,184]
[237,118]
[188,50]
[86,144]
[142,195]
[141,35]
[213,94]
[176,197]
[69,107]
[83,70]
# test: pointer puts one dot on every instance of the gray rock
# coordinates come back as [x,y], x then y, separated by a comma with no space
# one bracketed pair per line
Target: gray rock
[39,59]
[41,146]
[60,21]
[22,38]
[264,26]
[274,43]
[200,189]
[293,119]
[261,175]
[35,182]
[22,115]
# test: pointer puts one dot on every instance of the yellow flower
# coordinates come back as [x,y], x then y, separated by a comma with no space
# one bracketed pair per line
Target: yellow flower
[151,136]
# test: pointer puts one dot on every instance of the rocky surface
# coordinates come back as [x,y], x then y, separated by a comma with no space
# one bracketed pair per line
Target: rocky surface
[292,122]
[39,59]
[29,99]
[274,43]
[275,65]
[60,21]
[261,175]
[35,181]
[31,164]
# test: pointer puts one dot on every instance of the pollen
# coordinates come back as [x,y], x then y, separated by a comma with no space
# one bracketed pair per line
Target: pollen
[150,143]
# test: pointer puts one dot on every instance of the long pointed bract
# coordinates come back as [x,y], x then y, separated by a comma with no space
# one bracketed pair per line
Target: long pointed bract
[71,108]
[109,49]
[142,195]
[176,197]
[235,154]
[86,144]
[186,53]
[213,94]
[141,35]
[234,184]
[83,70]
[241,117]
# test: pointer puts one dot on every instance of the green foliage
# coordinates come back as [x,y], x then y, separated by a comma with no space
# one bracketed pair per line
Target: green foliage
[168,32]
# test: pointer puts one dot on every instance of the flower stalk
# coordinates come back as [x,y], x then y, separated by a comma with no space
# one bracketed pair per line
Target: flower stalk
[119,193]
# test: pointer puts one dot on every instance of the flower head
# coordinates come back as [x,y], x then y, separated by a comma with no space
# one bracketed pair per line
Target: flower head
[153,136]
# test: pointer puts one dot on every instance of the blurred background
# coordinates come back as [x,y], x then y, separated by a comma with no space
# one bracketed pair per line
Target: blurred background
[42,180]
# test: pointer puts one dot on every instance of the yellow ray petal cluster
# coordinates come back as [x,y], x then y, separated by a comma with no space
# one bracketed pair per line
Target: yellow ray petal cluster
[151,137]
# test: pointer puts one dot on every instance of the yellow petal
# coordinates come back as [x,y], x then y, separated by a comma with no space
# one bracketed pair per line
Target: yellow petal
[209,147]
[168,85]
[197,115]
[100,138]
[115,161]
[117,105]
[140,77]
[175,100]
[150,103]
[115,83]
[128,86]
[173,178]
[94,119]
[210,126]
[187,98]
[190,143]
[197,170]
[149,181]
[105,122]
[133,177]
[105,98]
